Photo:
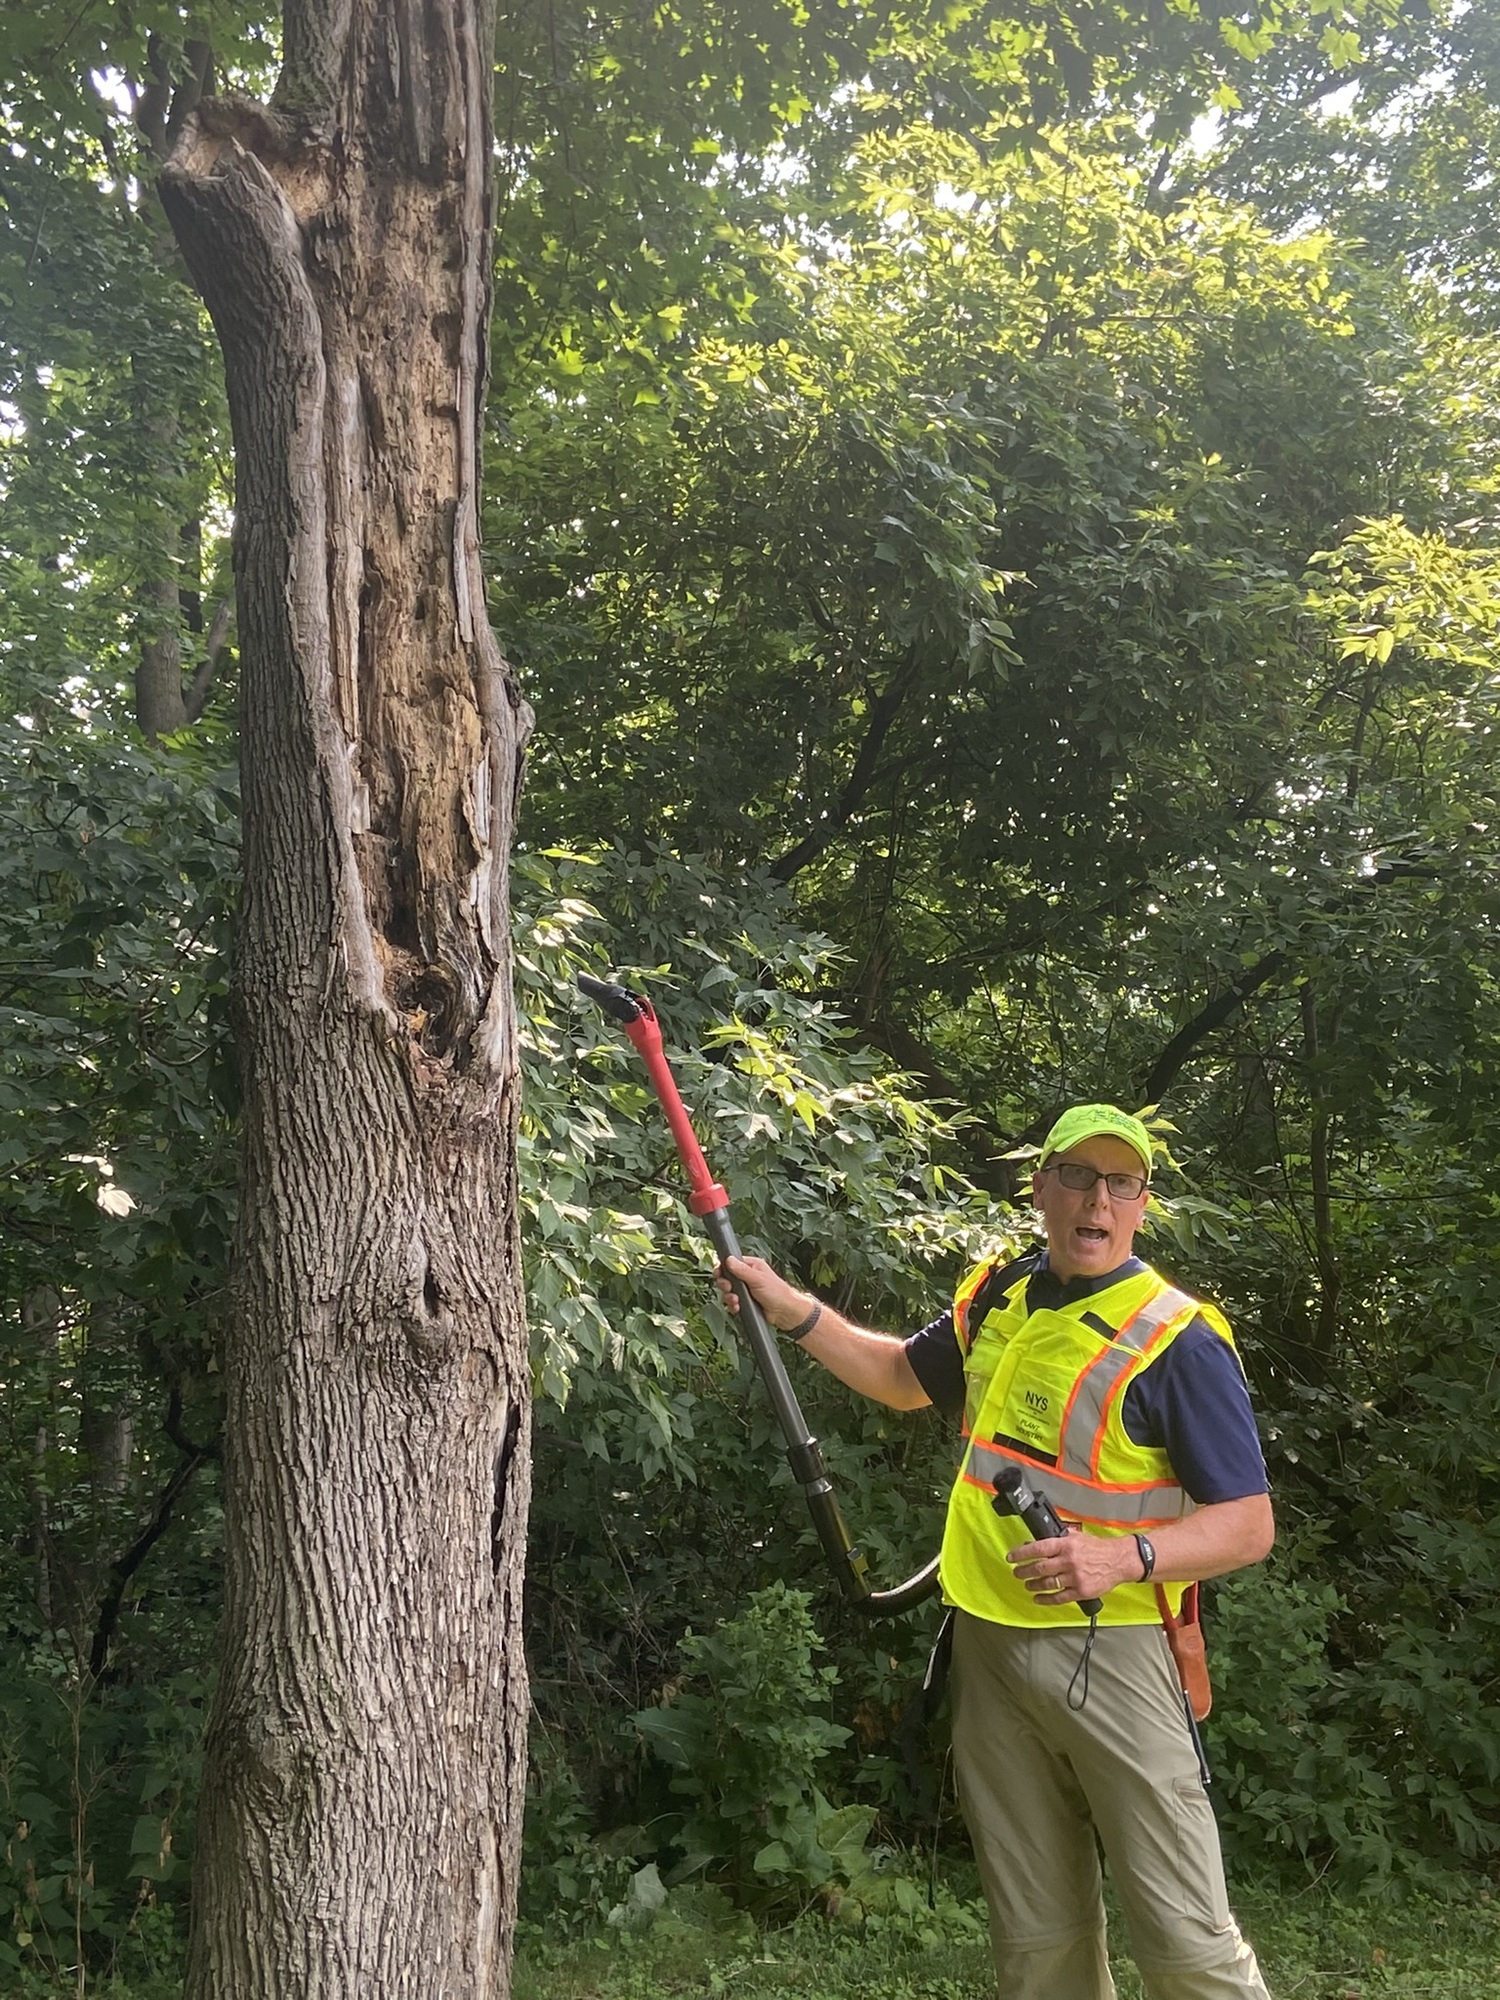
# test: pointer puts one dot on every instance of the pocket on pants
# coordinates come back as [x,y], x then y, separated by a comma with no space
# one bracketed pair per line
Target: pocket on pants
[1199,1862]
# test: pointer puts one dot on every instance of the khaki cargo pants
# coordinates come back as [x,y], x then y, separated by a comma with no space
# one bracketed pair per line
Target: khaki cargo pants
[1037,1780]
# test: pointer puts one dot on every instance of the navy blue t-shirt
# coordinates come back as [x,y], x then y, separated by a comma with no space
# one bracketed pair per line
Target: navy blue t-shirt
[1191,1403]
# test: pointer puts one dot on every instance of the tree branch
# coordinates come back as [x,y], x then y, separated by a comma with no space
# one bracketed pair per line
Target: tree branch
[154,97]
[195,700]
[1172,1058]
[172,1425]
[1164,1070]
[883,712]
[156,1526]
[984,1150]
[189,92]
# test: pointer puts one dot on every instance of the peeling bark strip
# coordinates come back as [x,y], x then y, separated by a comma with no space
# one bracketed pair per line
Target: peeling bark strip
[362,1799]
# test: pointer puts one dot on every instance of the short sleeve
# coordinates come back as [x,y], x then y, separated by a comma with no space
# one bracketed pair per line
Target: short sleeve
[938,1364]
[1194,1405]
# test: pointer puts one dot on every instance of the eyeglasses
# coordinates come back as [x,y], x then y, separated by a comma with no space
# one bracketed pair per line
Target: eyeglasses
[1081,1179]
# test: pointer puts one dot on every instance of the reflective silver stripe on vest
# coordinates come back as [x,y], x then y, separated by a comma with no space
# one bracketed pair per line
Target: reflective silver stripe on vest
[1075,1451]
[1071,1487]
[1111,1506]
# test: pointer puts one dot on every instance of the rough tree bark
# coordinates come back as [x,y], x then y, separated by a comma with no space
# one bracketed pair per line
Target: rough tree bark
[365,1760]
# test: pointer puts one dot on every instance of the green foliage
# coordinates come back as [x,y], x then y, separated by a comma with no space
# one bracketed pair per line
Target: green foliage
[115,1075]
[829,1156]
[743,1729]
[97,1799]
[67,64]
[114,477]
[1392,153]
[1015,572]
[572,1876]
[117,1099]
[792,591]
[1358,1717]
[958,576]
[1292,1776]
[746,1748]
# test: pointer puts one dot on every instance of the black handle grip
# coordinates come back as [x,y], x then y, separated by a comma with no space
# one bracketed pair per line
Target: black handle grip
[1014,1496]
[616,1001]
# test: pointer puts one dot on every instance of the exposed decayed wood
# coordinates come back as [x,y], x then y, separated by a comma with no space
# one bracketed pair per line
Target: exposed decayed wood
[365,1759]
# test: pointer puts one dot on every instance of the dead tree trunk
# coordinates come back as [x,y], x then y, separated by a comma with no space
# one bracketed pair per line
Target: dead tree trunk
[362,1799]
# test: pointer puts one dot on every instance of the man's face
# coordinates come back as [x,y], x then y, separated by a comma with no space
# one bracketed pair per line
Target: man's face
[1089,1234]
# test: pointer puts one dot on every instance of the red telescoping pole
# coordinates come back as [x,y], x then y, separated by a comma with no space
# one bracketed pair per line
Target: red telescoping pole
[709,1201]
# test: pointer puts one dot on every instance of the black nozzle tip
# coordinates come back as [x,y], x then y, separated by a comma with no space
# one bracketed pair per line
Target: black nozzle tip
[616,1001]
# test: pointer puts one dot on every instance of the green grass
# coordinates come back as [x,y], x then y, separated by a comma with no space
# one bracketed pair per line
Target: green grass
[1310,1946]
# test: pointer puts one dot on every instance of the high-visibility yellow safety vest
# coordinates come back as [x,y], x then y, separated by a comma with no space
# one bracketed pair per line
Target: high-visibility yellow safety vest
[1045,1391]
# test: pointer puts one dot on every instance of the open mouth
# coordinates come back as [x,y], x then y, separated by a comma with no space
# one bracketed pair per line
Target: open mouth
[1086,1234]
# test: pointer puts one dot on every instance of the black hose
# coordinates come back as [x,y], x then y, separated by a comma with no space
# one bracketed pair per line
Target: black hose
[903,1596]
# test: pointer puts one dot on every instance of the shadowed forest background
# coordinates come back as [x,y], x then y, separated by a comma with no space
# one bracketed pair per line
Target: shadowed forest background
[996,515]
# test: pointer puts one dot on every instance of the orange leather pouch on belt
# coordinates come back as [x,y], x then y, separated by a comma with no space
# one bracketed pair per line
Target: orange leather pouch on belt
[1185,1637]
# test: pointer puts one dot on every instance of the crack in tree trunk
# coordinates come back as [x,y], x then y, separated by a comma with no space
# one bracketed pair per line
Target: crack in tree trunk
[361,1816]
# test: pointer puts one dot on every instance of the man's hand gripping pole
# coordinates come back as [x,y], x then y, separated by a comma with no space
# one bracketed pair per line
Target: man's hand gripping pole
[709,1201]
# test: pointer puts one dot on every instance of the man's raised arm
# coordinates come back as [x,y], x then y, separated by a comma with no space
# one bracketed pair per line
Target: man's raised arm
[873,1363]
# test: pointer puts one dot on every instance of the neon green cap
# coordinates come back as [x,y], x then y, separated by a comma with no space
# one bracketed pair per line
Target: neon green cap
[1096,1121]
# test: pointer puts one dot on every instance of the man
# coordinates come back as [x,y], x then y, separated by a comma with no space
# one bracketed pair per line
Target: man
[1123,1401]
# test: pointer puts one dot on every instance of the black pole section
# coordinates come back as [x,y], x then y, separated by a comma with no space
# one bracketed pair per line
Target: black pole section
[845,1557]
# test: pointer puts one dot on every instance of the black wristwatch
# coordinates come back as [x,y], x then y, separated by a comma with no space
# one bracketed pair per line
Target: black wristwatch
[1147,1555]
